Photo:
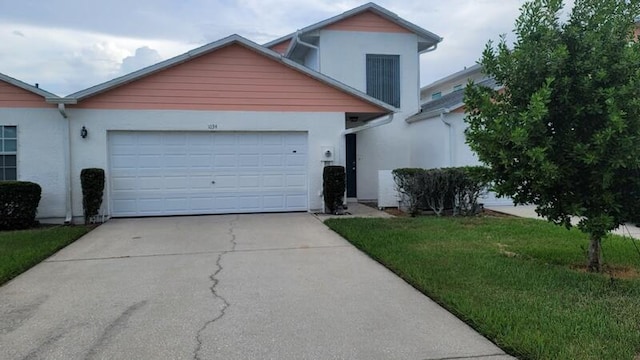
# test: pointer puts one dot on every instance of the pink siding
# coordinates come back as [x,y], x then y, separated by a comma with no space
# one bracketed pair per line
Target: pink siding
[282,47]
[14,97]
[369,22]
[230,78]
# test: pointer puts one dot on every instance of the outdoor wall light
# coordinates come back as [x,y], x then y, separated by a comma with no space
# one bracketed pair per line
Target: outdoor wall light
[84,132]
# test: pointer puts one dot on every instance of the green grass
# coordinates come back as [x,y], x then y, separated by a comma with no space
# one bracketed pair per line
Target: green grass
[20,250]
[514,280]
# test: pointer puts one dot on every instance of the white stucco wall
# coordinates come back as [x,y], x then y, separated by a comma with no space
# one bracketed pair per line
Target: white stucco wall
[323,129]
[343,57]
[40,155]
[430,148]
[431,139]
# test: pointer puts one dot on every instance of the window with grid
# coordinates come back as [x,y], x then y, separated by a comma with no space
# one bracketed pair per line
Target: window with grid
[383,78]
[8,151]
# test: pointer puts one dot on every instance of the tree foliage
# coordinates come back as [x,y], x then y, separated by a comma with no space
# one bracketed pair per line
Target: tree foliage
[564,131]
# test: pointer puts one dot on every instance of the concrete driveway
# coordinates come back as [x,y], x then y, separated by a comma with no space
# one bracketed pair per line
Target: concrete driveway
[279,286]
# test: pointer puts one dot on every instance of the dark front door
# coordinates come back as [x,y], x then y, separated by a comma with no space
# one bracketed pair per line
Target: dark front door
[351,165]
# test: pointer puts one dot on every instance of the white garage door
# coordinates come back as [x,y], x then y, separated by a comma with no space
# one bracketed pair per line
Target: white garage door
[178,173]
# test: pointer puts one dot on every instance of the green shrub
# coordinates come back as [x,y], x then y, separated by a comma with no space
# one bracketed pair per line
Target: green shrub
[333,187]
[410,184]
[468,183]
[92,181]
[18,204]
[457,189]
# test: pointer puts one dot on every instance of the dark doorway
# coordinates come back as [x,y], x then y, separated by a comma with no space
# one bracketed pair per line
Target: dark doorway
[350,140]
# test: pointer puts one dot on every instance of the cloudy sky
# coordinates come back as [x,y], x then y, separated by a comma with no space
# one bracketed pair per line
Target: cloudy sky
[69,45]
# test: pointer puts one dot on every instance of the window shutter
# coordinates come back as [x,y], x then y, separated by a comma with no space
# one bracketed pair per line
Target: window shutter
[383,78]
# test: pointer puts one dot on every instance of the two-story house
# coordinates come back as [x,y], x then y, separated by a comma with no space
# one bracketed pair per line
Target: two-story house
[230,127]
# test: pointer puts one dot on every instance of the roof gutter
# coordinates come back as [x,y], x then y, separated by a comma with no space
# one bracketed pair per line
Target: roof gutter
[429,49]
[371,124]
[427,115]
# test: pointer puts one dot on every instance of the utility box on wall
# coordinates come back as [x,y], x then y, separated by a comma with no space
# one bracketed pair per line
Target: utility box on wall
[327,153]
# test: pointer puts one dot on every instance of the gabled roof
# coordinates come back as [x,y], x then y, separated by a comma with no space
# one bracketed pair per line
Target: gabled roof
[27,87]
[446,103]
[206,49]
[428,37]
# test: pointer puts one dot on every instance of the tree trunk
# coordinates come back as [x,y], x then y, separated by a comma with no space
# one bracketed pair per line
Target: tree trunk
[595,255]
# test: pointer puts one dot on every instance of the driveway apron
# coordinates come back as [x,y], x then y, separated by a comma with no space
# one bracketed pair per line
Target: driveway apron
[266,286]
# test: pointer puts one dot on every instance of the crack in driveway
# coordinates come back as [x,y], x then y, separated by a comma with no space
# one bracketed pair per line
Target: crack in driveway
[215,281]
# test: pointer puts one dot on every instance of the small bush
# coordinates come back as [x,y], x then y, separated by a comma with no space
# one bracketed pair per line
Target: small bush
[333,187]
[468,184]
[92,181]
[18,204]
[410,184]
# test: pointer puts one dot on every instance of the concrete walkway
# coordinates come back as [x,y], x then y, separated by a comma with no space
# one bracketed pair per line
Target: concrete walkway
[528,211]
[279,286]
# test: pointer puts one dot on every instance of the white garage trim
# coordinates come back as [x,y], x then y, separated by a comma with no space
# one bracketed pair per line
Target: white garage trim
[155,173]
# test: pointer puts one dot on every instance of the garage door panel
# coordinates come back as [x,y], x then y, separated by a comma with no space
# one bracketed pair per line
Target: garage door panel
[298,180]
[297,201]
[296,160]
[272,160]
[167,173]
[225,161]
[273,181]
[249,160]
[273,201]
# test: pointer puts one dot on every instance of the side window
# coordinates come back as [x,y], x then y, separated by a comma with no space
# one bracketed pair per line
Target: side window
[383,78]
[8,151]
[436,96]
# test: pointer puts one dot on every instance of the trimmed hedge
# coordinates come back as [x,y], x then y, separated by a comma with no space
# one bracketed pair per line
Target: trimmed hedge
[333,187]
[92,181]
[18,204]
[457,189]
[410,183]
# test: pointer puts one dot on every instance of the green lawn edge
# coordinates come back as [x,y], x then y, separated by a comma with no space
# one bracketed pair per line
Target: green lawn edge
[20,250]
[513,280]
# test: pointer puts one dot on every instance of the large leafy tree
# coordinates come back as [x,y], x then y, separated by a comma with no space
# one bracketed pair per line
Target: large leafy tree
[564,131]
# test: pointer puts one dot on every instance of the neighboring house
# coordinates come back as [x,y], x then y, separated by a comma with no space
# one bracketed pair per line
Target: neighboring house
[230,127]
[437,130]
[33,137]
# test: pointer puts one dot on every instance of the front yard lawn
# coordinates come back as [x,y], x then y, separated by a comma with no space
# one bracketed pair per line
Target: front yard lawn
[520,282]
[20,250]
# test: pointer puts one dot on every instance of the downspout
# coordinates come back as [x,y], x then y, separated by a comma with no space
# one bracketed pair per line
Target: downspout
[451,139]
[67,148]
[317,48]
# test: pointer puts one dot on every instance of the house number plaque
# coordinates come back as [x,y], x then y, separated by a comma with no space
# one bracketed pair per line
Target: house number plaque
[213,126]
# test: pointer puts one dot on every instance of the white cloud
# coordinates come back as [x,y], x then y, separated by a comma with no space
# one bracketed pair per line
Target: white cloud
[65,61]
[143,57]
